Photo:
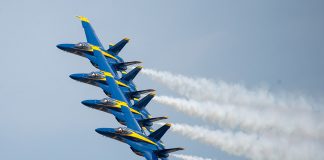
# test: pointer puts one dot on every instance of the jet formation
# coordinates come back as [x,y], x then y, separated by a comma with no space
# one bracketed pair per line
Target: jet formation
[123,99]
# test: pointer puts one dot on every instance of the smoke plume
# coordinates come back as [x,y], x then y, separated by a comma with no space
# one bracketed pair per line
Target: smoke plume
[247,120]
[251,145]
[203,89]
[189,157]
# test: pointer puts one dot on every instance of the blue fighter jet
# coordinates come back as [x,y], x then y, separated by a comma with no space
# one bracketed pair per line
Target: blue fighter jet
[98,79]
[113,107]
[84,49]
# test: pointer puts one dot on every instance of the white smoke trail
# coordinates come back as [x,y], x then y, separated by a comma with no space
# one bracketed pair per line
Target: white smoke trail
[248,120]
[250,145]
[203,89]
[189,157]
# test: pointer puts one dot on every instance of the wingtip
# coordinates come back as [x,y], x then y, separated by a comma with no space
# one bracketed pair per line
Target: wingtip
[168,124]
[82,18]
[153,93]
[126,39]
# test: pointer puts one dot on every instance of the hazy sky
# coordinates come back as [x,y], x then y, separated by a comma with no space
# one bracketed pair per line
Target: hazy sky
[279,44]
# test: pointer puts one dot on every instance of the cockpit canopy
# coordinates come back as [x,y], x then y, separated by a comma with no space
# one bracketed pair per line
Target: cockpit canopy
[121,130]
[96,75]
[83,46]
[107,100]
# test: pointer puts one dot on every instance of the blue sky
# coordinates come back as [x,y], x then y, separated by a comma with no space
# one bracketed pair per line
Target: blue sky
[279,44]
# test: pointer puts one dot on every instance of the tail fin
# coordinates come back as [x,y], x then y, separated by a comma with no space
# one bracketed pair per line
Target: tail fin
[149,121]
[160,132]
[137,94]
[115,49]
[131,75]
[141,104]
[123,66]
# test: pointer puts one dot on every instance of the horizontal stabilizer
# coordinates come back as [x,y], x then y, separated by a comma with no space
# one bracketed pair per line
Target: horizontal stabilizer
[137,94]
[144,91]
[123,66]
[131,75]
[115,49]
[149,121]
[141,104]
[165,152]
[160,132]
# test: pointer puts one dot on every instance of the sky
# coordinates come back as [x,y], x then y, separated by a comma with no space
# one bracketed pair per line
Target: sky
[278,44]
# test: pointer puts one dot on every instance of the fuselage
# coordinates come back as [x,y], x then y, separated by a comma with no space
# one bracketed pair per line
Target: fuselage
[138,142]
[98,79]
[115,109]
[84,49]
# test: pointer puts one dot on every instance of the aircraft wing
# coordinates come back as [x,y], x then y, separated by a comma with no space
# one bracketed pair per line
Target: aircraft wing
[130,120]
[115,91]
[89,32]
[103,65]
[150,155]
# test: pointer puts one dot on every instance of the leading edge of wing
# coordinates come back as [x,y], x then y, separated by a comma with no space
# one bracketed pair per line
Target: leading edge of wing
[116,93]
[130,120]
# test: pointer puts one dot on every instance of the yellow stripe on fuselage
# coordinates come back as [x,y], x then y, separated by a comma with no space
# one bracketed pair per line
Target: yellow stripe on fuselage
[140,137]
[121,83]
[118,105]
[107,74]
[102,52]
[110,75]
[121,103]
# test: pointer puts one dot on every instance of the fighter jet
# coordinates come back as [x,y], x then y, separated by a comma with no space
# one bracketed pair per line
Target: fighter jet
[84,49]
[113,107]
[148,146]
[98,79]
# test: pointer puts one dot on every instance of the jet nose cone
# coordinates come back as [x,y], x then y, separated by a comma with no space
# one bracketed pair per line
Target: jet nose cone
[60,46]
[88,103]
[99,130]
[105,131]
[66,47]
[75,76]
[102,131]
